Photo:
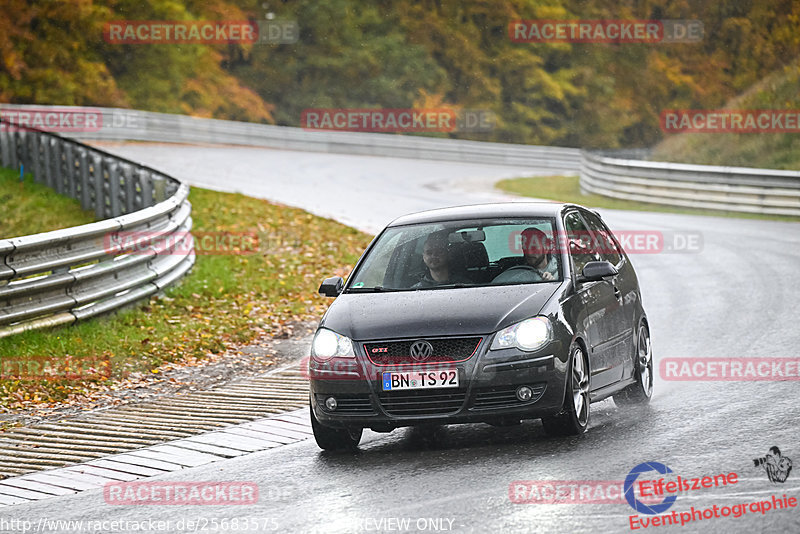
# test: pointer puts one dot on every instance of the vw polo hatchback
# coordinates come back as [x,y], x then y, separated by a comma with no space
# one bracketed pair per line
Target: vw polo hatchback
[492,313]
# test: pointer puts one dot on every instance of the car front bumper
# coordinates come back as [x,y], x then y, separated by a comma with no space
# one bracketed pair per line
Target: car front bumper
[488,383]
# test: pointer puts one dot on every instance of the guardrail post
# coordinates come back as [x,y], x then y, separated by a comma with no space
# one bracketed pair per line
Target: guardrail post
[98,187]
[113,186]
[57,164]
[129,188]
[159,188]
[24,152]
[36,159]
[12,152]
[144,193]
[71,184]
[49,178]
[84,177]
[5,156]
[31,154]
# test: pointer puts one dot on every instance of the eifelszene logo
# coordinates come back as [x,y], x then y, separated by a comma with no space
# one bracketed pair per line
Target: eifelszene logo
[636,504]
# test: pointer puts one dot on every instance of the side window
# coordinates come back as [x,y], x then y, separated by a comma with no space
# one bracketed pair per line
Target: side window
[602,240]
[579,241]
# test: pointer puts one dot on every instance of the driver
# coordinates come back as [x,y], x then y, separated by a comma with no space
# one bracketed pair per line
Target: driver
[434,254]
[537,253]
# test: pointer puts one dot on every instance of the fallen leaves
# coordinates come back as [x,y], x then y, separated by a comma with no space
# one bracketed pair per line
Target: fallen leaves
[225,303]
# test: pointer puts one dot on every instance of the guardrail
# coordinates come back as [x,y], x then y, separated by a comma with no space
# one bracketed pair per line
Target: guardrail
[739,189]
[114,124]
[63,276]
[613,175]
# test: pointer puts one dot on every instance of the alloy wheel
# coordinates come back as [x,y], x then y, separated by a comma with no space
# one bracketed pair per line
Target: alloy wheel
[580,386]
[645,361]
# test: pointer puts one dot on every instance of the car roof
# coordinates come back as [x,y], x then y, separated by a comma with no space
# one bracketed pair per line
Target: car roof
[480,211]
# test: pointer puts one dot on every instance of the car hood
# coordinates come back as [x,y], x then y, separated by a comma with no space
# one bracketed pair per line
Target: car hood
[446,312]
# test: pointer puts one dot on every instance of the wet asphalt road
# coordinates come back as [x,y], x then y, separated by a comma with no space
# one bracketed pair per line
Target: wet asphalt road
[736,297]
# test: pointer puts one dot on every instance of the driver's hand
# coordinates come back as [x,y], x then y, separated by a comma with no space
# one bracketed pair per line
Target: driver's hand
[547,275]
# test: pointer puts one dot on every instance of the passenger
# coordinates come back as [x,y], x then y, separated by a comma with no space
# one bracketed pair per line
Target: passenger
[537,251]
[435,257]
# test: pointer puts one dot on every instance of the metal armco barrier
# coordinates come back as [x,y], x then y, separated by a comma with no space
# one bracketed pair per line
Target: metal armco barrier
[113,124]
[60,277]
[739,189]
[613,175]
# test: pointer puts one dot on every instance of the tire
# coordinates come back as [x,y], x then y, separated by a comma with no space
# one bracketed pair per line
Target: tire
[335,439]
[573,420]
[642,391]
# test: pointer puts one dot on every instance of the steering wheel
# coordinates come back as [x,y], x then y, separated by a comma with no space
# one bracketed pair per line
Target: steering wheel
[518,274]
[519,267]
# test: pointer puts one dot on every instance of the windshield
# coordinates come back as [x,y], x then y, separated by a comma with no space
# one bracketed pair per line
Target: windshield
[457,254]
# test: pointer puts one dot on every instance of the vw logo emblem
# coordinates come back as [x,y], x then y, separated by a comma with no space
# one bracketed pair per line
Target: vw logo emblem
[421,350]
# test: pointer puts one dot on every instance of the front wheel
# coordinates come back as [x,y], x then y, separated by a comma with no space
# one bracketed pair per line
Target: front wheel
[334,439]
[574,417]
[641,391]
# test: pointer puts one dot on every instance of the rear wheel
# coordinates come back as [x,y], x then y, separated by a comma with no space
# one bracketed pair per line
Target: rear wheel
[642,390]
[335,439]
[574,417]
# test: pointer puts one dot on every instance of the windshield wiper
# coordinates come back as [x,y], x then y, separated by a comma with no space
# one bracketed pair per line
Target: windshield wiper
[381,289]
[449,286]
[376,289]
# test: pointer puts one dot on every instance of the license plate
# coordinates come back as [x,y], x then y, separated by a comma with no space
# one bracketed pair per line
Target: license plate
[442,378]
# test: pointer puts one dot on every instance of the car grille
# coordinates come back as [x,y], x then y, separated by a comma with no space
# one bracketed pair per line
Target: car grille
[348,404]
[422,402]
[504,396]
[444,350]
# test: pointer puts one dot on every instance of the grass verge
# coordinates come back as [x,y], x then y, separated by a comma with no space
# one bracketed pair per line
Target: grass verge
[31,208]
[226,300]
[567,189]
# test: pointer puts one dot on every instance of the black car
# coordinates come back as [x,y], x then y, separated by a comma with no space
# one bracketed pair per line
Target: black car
[491,313]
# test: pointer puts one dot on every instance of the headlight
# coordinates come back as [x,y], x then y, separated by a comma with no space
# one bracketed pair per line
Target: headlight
[328,344]
[528,335]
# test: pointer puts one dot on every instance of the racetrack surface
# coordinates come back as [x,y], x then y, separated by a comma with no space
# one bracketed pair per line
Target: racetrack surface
[350,189]
[736,297]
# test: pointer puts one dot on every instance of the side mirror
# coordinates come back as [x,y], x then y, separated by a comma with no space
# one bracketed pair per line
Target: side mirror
[331,287]
[597,270]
